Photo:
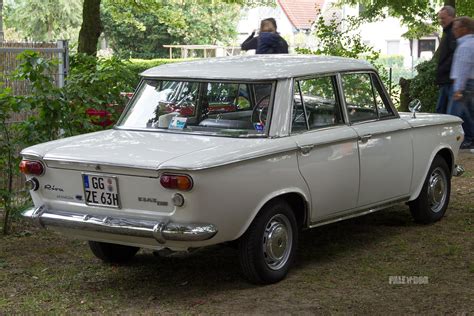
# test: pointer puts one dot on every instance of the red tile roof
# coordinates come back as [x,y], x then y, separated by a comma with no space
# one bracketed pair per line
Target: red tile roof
[301,13]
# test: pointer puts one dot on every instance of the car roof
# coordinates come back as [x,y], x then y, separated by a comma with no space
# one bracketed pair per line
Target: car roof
[256,67]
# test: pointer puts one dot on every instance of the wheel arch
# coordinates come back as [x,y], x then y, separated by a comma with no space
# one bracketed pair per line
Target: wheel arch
[298,201]
[444,152]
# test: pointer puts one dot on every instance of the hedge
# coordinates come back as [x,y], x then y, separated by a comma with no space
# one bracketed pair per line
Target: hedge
[137,66]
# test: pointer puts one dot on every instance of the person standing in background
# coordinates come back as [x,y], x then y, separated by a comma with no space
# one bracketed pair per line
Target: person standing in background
[446,51]
[268,41]
[462,74]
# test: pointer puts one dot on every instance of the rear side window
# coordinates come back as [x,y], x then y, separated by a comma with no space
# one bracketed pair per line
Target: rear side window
[315,104]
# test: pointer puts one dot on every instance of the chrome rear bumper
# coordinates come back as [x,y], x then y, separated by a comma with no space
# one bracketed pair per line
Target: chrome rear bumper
[160,231]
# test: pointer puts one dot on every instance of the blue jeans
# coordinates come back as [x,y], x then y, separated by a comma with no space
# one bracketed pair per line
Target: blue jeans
[445,95]
[464,108]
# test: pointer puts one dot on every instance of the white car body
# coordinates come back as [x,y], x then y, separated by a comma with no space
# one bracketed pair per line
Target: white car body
[329,174]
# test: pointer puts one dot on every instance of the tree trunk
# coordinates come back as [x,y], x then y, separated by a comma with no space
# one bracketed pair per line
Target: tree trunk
[91,27]
[404,94]
[1,21]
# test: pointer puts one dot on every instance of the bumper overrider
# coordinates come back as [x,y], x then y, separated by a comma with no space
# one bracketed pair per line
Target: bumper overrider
[160,231]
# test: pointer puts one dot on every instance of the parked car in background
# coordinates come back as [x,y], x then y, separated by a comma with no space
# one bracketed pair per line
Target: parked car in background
[248,149]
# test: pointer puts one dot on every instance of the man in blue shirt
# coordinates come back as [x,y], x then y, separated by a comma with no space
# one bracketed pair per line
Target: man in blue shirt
[462,74]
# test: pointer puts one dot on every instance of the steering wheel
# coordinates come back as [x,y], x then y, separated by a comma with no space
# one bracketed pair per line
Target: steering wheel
[260,111]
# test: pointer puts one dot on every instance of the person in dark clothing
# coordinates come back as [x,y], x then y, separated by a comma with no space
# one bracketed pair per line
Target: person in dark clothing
[445,58]
[268,41]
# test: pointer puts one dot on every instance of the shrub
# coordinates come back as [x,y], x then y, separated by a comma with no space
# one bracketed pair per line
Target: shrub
[423,86]
[9,157]
[96,84]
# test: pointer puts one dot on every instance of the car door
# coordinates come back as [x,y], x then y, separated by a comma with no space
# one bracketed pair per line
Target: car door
[385,146]
[328,154]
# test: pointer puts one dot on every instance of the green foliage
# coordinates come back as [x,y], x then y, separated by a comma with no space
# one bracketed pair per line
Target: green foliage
[8,157]
[334,40]
[96,83]
[45,98]
[465,8]
[137,66]
[423,86]
[44,20]
[142,29]
[143,40]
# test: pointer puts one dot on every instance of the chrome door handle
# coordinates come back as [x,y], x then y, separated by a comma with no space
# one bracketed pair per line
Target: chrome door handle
[365,138]
[306,149]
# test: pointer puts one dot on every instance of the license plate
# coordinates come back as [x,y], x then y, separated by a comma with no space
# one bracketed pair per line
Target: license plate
[101,190]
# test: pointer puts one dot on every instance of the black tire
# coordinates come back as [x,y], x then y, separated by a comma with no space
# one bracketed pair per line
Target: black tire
[431,204]
[261,263]
[112,253]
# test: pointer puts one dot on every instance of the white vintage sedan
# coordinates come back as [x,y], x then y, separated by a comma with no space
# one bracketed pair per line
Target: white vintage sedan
[250,149]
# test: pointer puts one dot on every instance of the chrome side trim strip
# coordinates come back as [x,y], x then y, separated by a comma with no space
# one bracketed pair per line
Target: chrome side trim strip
[358,212]
[161,231]
[433,124]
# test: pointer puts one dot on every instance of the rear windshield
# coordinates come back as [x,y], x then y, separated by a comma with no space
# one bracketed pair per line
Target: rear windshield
[237,109]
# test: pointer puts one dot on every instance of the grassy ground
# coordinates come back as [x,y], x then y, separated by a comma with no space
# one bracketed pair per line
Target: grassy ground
[340,268]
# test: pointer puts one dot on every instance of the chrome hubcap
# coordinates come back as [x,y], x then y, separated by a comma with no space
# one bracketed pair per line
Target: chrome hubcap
[437,189]
[277,241]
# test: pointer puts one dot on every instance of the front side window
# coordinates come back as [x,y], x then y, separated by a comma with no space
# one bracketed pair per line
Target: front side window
[359,97]
[315,104]
[364,97]
[224,108]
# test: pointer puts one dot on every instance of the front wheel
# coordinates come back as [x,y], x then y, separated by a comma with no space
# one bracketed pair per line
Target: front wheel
[112,253]
[431,204]
[267,248]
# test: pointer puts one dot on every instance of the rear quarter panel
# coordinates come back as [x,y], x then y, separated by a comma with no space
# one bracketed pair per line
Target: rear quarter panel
[230,196]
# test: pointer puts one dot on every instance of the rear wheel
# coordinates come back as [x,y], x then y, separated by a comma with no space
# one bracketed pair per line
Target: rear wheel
[431,204]
[267,249]
[112,253]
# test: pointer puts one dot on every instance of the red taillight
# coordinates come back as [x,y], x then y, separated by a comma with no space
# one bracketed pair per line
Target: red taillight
[176,181]
[31,167]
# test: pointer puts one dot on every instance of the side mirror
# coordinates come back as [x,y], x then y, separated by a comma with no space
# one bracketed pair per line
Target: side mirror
[414,106]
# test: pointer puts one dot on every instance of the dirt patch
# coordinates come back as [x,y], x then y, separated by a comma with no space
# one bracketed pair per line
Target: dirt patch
[340,268]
